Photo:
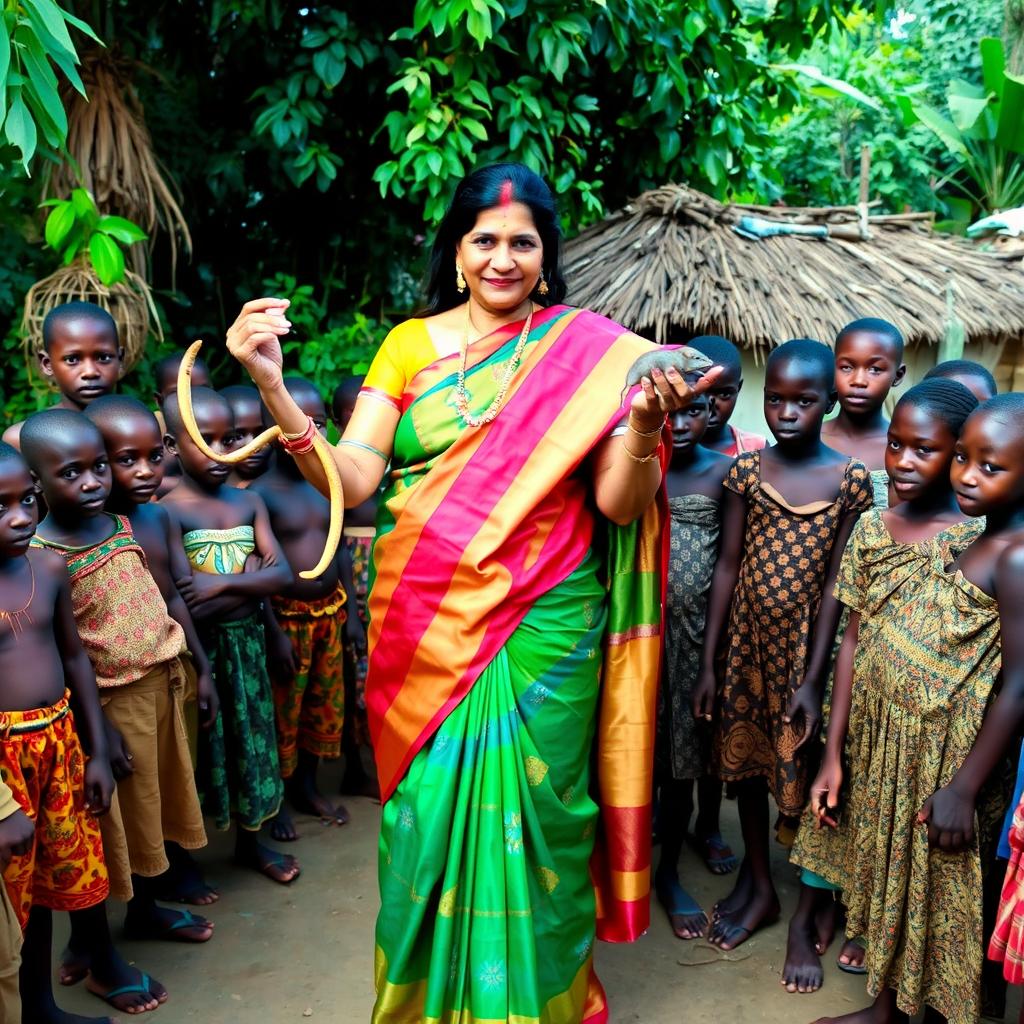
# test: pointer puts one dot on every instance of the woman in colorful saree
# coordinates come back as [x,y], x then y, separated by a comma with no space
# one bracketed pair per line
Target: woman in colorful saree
[515,617]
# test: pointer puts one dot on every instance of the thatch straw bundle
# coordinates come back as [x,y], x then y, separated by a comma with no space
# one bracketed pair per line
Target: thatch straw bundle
[670,265]
[111,145]
[129,302]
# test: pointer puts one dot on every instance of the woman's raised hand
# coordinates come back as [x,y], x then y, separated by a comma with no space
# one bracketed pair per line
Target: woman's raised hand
[254,340]
[662,393]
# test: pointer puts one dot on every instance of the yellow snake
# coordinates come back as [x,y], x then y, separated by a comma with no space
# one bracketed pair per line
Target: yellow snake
[320,446]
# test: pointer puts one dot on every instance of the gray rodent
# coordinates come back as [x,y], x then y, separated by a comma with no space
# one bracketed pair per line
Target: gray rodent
[684,360]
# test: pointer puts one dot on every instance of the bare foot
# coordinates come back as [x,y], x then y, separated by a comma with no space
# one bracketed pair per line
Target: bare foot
[802,971]
[282,828]
[742,892]
[278,867]
[732,931]
[882,1011]
[685,916]
[307,799]
[826,922]
[73,967]
[128,990]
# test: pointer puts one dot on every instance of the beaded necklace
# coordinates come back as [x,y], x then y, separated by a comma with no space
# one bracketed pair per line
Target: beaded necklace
[462,397]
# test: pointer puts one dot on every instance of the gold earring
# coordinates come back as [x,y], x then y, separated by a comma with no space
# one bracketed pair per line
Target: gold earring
[460,281]
[542,288]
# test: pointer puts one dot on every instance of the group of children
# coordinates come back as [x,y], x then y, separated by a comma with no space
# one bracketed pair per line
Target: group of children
[859,579]
[185,668]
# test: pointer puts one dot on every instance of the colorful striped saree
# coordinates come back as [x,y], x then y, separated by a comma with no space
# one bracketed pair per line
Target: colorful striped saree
[514,646]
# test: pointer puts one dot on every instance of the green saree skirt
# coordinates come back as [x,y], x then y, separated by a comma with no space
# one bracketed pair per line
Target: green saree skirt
[488,906]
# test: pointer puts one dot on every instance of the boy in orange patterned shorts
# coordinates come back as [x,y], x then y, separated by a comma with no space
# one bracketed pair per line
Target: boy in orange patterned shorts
[136,650]
[49,697]
[305,630]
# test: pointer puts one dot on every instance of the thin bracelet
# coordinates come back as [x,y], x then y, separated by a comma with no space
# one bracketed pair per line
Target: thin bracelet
[641,433]
[646,458]
[294,437]
[365,448]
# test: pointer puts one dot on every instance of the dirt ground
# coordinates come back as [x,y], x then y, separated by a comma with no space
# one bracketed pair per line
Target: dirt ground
[305,952]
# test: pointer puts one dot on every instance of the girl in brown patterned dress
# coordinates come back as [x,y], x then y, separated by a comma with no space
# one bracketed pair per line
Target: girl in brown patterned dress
[924,734]
[787,516]
[694,484]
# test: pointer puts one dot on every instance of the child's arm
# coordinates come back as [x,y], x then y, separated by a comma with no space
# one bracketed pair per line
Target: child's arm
[178,564]
[273,577]
[280,653]
[16,827]
[723,583]
[806,701]
[826,787]
[354,632]
[89,721]
[949,812]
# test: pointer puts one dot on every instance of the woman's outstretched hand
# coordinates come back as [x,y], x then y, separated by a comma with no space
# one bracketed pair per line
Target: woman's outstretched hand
[254,340]
[665,393]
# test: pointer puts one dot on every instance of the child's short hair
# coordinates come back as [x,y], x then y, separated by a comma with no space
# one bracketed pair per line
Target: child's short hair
[809,352]
[202,398]
[64,314]
[946,400]
[1008,407]
[8,453]
[963,368]
[165,369]
[109,408]
[52,427]
[874,325]
[721,351]
[348,389]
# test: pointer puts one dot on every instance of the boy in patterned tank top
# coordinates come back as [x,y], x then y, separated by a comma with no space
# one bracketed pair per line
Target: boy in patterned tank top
[236,563]
[135,649]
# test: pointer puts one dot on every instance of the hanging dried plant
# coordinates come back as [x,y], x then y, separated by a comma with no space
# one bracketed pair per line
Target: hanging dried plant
[129,302]
[109,142]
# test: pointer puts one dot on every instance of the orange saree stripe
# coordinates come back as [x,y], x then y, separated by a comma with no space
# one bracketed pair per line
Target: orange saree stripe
[538,520]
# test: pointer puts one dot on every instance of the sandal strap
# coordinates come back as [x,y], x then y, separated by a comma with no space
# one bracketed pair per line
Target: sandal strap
[129,990]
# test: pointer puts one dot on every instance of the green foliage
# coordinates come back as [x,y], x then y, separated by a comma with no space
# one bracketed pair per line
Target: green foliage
[327,347]
[34,39]
[76,226]
[817,148]
[604,100]
[983,131]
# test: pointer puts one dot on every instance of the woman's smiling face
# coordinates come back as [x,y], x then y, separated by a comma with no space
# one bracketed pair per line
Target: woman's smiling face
[502,257]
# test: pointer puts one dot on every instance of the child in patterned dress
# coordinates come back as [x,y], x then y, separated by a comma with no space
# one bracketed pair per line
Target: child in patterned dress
[236,563]
[786,517]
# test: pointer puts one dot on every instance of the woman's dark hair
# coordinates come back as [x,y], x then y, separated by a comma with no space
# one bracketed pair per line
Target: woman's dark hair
[482,190]
[947,400]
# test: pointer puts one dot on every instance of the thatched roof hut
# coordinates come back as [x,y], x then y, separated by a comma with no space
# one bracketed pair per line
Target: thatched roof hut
[671,265]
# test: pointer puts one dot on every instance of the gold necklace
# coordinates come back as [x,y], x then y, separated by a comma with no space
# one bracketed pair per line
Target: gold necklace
[14,618]
[462,397]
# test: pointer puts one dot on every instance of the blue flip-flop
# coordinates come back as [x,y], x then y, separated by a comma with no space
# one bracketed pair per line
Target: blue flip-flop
[142,989]
[186,920]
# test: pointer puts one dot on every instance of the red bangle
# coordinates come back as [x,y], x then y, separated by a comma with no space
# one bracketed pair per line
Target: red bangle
[303,444]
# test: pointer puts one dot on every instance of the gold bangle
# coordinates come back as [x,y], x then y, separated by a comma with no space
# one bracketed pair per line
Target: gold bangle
[642,433]
[650,457]
[295,436]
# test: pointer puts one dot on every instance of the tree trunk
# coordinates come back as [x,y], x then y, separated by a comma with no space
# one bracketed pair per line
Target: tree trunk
[1013,36]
